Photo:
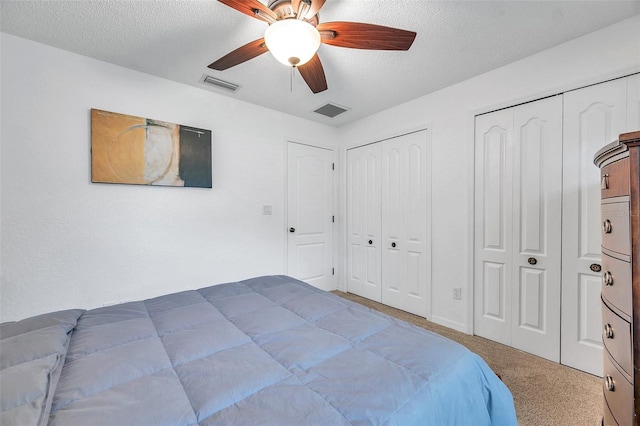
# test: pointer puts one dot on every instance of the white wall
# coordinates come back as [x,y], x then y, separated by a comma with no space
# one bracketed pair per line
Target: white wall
[67,242]
[448,113]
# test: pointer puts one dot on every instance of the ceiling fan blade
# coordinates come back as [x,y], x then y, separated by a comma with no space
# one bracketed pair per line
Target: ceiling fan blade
[240,55]
[358,35]
[249,7]
[313,74]
[316,5]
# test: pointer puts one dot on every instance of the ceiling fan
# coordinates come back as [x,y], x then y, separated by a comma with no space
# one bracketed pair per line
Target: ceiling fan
[295,33]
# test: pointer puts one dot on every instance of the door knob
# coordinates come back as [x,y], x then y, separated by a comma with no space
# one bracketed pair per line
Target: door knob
[595,267]
[370,242]
[393,245]
[292,229]
[532,261]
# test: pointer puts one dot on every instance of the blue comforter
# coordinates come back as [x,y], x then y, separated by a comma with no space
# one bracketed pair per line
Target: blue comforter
[269,350]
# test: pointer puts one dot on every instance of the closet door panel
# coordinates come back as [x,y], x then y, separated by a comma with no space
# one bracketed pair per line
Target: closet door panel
[392,197]
[633,103]
[493,225]
[415,237]
[363,223]
[537,208]
[404,203]
[593,117]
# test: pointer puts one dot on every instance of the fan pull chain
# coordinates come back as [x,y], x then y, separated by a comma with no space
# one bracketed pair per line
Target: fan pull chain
[291,80]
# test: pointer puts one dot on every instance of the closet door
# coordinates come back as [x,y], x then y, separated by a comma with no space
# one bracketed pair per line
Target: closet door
[518,211]
[633,103]
[404,221]
[537,212]
[363,222]
[493,226]
[593,117]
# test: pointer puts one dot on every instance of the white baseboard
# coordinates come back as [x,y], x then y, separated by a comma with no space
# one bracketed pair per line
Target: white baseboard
[450,324]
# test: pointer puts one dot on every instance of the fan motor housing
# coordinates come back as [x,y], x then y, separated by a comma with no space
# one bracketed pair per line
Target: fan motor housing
[284,10]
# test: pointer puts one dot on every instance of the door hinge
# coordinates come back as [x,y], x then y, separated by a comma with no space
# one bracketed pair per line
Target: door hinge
[333,219]
[333,271]
[333,166]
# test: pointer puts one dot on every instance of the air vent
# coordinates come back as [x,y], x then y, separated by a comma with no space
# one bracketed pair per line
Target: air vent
[331,110]
[207,79]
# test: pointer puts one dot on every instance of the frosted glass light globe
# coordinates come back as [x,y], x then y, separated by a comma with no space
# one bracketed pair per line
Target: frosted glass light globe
[292,42]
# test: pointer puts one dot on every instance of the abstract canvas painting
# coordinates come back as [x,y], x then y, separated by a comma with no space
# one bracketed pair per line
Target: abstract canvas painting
[141,151]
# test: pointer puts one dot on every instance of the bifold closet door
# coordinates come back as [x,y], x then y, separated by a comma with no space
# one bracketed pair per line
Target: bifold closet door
[387,257]
[518,199]
[593,117]
[404,213]
[363,222]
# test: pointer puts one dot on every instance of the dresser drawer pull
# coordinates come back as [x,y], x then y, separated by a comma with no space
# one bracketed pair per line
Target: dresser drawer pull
[609,383]
[608,331]
[606,227]
[605,181]
[595,267]
[607,278]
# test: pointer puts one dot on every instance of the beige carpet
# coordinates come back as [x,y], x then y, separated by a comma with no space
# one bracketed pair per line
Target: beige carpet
[545,393]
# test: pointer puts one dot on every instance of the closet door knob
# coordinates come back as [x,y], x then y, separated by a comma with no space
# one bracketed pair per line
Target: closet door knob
[370,242]
[292,230]
[595,267]
[606,227]
[532,261]
[607,278]
[393,245]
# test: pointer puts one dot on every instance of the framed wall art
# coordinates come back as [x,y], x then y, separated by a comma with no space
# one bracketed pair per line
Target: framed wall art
[142,151]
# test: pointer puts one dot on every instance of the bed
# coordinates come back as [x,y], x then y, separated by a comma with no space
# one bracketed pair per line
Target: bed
[269,350]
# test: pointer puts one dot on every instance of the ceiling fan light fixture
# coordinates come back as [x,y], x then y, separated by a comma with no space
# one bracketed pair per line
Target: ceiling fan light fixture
[292,42]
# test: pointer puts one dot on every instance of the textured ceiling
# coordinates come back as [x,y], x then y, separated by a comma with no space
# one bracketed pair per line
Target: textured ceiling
[176,40]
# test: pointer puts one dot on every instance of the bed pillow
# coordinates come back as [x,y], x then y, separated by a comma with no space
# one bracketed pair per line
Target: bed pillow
[32,353]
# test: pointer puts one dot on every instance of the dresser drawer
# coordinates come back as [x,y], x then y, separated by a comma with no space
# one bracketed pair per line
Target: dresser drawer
[616,283]
[615,227]
[616,336]
[614,179]
[618,393]
[608,419]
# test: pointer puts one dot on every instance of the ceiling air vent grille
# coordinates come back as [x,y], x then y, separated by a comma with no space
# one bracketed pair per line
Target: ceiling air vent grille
[212,81]
[331,110]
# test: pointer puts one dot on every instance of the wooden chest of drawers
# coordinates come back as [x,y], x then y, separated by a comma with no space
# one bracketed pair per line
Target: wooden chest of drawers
[619,164]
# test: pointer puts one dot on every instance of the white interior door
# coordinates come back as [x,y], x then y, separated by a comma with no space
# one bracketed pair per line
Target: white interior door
[593,117]
[518,226]
[537,213]
[404,222]
[310,215]
[633,103]
[363,221]
[493,226]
